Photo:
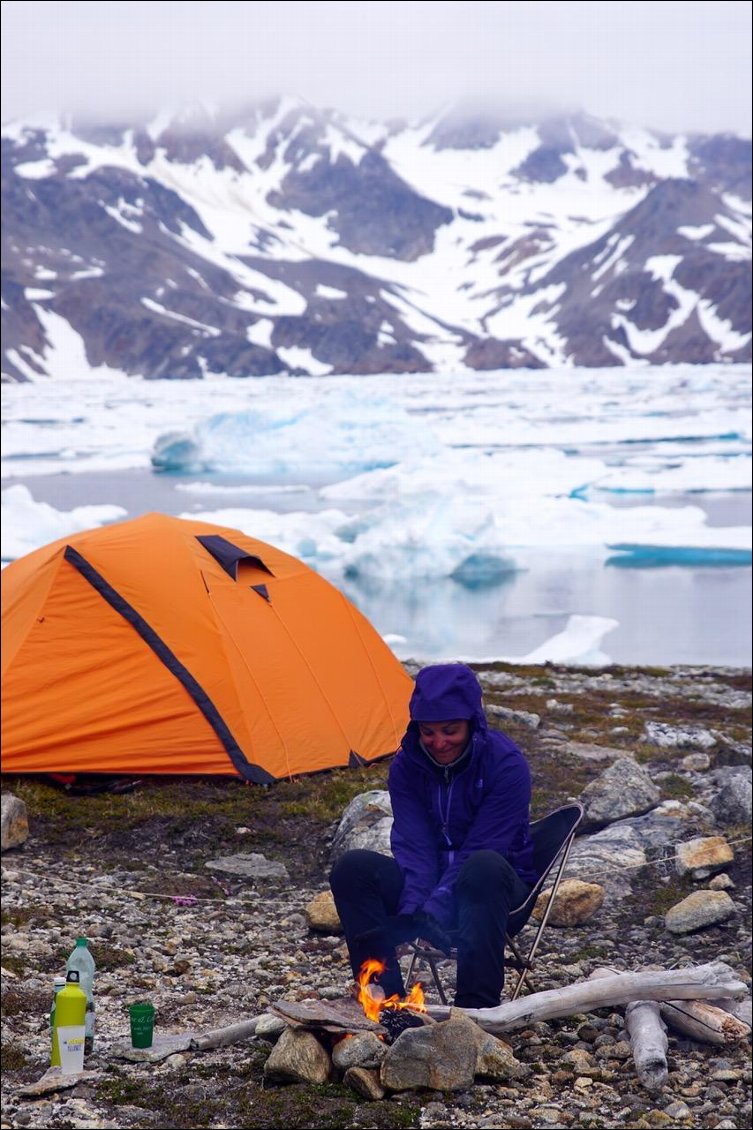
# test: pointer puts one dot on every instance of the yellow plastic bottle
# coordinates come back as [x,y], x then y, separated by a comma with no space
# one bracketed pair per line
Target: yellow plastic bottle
[70,1011]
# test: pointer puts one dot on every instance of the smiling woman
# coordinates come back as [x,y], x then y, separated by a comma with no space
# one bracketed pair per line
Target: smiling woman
[445,742]
[462,852]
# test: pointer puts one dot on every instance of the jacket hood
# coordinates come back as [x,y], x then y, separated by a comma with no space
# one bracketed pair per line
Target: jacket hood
[444,692]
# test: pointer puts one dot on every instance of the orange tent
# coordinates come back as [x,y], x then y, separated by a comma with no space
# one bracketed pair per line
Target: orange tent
[162,645]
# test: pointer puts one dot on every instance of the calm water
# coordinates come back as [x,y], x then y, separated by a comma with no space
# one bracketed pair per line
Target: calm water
[667,615]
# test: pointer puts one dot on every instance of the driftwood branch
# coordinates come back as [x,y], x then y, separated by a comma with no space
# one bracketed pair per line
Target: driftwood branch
[715,980]
[743,1009]
[648,1037]
[704,1021]
[219,1037]
[648,1042]
[701,981]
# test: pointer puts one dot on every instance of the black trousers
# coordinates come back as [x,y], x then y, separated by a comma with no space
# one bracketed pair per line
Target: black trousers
[366,888]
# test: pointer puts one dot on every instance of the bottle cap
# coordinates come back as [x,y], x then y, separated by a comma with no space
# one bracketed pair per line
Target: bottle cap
[59,982]
[82,941]
[73,976]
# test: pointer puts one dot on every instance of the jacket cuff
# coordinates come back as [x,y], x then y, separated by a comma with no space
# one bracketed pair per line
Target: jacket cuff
[439,906]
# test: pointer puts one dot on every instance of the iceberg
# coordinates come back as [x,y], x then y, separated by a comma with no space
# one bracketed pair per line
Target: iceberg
[660,556]
[344,432]
[27,524]
[577,643]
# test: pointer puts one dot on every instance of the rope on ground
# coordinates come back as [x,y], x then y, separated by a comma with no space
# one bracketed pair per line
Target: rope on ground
[229,900]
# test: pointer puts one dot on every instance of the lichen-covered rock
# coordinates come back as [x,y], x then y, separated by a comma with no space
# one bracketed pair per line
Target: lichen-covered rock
[363,1049]
[733,804]
[440,1057]
[496,1062]
[251,865]
[623,789]
[703,856]
[678,737]
[699,909]
[364,1082]
[321,914]
[298,1057]
[575,903]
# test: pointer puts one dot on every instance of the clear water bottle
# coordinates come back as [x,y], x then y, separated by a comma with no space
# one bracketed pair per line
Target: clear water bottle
[81,960]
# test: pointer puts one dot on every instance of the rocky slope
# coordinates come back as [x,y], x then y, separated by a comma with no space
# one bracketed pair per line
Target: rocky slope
[141,874]
[285,238]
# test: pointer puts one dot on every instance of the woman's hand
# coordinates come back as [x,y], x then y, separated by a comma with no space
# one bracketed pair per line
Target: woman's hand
[406,928]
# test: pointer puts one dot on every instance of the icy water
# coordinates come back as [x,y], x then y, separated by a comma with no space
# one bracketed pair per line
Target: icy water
[584,516]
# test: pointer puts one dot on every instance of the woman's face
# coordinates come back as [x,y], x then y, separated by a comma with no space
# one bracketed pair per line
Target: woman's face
[445,741]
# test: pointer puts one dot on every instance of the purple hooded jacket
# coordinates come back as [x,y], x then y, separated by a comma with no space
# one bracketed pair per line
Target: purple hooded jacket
[444,814]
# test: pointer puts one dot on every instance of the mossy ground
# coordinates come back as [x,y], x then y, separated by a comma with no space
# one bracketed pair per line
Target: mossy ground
[194,1098]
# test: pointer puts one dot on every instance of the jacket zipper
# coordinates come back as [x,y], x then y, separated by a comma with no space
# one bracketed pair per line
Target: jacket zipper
[444,812]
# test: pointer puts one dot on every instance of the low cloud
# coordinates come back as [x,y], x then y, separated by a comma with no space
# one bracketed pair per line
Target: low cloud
[668,66]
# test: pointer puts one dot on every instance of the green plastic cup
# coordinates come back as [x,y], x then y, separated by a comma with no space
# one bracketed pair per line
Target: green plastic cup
[142,1024]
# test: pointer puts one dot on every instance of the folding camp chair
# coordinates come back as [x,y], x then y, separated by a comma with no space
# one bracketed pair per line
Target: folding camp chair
[552,838]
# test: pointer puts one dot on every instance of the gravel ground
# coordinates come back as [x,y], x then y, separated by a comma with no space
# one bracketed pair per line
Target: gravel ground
[210,949]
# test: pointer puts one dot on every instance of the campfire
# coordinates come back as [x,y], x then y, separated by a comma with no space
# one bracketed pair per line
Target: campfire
[393,1013]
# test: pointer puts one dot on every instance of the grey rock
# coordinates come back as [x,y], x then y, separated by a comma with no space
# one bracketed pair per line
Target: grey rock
[723,882]
[270,1027]
[678,737]
[440,1057]
[621,790]
[733,803]
[699,909]
[696,763]
[363,1049]
[250,865]
[54,1080]
[14,820]
[163,1046]
[589,752]
[298,1057]
[364,1082]
[526,717]
[366,823]
[610,857]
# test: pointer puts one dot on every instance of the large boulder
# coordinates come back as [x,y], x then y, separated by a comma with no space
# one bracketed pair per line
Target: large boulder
[298,1057]
[437,1057]
[732,804]
[366,823]
[623,789]
[15,822]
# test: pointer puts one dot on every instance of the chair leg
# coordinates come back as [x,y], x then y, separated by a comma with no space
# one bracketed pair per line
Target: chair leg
[523,969]
[418,953]
[528,962]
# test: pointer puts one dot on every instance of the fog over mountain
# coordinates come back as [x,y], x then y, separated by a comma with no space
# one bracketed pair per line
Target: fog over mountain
[287,238]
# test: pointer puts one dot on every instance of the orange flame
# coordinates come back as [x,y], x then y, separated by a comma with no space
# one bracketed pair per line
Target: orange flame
[372,1005]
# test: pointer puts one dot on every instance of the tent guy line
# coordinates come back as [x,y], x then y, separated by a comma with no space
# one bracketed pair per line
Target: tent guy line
[234,900]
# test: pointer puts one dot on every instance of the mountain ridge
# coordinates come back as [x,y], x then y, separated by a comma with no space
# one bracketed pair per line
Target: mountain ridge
[285,238]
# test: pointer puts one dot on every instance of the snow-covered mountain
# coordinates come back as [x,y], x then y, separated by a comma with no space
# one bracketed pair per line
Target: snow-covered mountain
[291,239]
